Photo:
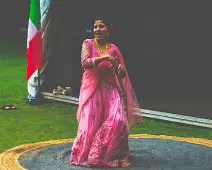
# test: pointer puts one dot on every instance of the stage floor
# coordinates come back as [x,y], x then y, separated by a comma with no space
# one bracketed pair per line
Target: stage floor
[150,153]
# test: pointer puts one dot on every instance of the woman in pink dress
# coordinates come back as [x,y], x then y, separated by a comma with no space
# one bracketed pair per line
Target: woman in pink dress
[107,105]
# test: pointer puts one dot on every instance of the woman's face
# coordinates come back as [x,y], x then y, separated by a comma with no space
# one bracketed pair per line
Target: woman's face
[100,30]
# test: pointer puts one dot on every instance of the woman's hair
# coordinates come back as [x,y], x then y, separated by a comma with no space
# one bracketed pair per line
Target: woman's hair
[103,19]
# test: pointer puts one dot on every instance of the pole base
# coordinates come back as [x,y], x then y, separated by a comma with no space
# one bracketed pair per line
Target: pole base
[38,100]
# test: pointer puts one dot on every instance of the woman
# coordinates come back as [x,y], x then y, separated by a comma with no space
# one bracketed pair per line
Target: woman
[107,103]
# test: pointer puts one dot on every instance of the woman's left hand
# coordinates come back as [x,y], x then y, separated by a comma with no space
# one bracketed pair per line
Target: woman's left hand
[121,71]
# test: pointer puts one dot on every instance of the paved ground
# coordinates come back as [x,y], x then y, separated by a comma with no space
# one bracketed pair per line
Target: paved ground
[149,154]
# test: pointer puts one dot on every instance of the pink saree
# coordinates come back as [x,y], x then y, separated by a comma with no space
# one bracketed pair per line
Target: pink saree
[103,131]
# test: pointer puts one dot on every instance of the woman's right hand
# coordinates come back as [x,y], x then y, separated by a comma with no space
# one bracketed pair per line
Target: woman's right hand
[111,59]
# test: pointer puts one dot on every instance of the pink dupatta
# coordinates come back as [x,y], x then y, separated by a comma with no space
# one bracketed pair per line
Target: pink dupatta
[91,79]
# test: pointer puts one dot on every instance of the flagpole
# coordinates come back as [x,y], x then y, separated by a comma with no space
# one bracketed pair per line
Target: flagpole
[39,75]
[34,50]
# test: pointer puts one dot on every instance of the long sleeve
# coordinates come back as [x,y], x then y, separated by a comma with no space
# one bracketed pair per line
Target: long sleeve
[86,60]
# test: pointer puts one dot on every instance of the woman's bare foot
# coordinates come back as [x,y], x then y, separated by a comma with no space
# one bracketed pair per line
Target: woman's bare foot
[125,164]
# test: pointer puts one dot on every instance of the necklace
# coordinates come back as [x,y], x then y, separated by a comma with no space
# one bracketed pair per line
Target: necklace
[106,47]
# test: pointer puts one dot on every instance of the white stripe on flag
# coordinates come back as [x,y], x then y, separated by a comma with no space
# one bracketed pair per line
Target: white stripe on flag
[33,83]
[32,31]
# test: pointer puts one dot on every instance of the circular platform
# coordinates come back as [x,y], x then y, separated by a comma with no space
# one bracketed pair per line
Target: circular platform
[149,151]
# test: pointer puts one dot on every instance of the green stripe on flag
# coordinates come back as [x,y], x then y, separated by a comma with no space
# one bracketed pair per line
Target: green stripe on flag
[35,13]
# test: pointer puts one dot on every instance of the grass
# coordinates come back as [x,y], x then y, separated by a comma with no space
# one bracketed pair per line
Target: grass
[53,120]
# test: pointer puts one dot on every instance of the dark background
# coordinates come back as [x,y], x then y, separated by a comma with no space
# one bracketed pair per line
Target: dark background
[13,15]
[166,46]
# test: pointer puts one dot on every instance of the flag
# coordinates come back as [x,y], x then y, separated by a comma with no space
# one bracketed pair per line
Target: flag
[34,47]
[44,8]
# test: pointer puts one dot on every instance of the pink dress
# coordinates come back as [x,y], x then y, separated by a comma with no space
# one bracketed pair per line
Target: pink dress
[103,131]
